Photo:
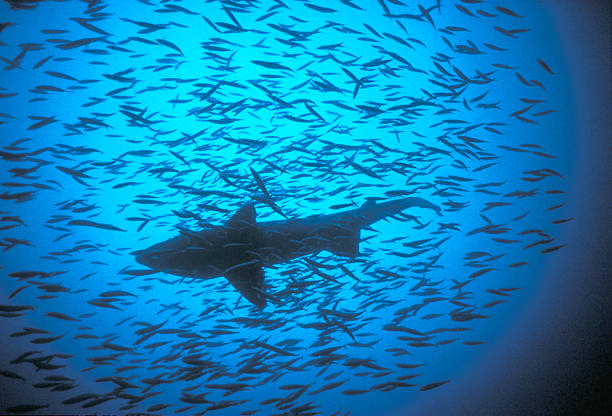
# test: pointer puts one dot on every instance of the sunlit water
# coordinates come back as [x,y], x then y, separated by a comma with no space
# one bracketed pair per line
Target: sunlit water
[155,122]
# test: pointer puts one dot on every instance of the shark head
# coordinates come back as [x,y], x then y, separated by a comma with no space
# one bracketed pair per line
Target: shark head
[229,250]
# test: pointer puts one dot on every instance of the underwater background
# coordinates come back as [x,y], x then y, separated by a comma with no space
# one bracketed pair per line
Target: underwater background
[126,122]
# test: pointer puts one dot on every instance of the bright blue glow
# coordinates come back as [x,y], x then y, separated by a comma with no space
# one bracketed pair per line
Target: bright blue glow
[295,124]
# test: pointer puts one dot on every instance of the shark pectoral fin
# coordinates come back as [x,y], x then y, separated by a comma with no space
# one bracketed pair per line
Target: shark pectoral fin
[346,243]
[248,279]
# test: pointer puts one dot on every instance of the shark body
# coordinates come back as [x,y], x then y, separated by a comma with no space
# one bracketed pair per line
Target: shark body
[241,248]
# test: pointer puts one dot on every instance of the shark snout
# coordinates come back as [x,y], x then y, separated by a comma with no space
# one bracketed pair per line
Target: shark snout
[144,258]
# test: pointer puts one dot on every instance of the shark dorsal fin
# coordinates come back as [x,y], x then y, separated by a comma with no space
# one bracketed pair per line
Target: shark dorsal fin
[369,203]
[244,216]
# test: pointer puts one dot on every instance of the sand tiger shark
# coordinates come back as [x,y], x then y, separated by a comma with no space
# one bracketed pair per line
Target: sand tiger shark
[241,247]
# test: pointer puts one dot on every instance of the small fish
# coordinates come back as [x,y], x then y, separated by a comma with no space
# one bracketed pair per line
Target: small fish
[16,291]
[181,158]
[170,45]
[25,408]
[10,374]
[15,308]
[271,65]
[507,11]
[545,66]
[80,398]
[61,316]
[118,293]
[45,340]
[87,223]
[433,385]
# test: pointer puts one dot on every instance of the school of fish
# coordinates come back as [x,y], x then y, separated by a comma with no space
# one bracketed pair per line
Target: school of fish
[125,124]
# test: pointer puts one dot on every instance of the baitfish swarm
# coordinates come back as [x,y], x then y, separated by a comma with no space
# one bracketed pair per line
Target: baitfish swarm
[268,207]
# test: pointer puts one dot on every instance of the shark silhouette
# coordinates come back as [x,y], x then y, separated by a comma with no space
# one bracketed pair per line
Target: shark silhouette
[241,248]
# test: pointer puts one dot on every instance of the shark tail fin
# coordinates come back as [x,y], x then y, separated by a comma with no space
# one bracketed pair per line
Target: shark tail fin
[346,243]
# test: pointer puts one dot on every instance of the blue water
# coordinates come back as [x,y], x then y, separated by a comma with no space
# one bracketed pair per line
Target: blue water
[156,125]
